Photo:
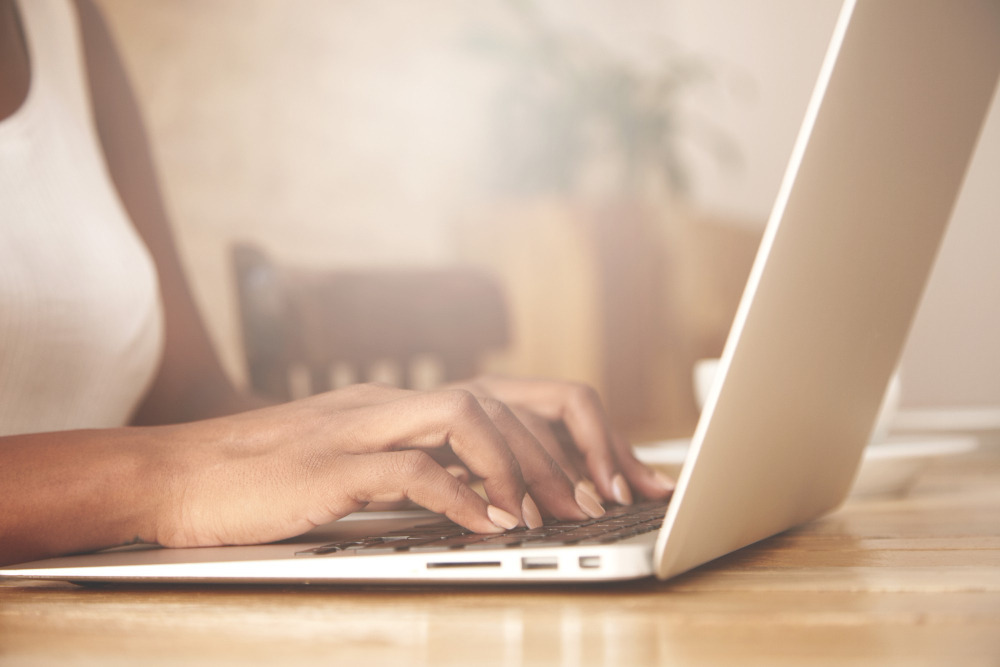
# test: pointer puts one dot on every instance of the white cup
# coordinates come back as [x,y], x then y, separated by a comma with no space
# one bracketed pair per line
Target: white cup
[705,371]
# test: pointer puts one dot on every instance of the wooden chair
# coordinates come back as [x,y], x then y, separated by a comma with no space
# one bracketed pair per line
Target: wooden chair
[326,328]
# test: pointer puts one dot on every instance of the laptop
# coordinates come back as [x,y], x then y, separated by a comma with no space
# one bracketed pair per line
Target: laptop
[872,180]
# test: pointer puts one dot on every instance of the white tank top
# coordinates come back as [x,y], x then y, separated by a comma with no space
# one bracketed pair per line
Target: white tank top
[80,312]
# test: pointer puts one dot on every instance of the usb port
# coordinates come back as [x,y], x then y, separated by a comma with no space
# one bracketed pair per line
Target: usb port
[540,563]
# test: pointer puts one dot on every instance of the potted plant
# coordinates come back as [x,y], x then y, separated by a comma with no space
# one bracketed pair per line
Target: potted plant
[585,132]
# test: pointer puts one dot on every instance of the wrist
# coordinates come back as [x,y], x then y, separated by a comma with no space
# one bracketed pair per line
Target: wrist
[164,473]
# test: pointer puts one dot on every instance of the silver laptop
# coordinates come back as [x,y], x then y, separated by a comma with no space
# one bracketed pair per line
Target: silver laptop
[869,190]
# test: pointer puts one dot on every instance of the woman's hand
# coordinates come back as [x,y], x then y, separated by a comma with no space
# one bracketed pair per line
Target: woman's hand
[277,472]
[567,418]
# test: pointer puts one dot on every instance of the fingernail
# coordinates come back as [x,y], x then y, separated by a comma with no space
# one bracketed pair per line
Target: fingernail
[502,518]
[588,501]
[529,510]
[620,490]
[663,481]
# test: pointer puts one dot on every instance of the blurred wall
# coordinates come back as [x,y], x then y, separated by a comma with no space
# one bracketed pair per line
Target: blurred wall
[354,133]
[333,133]
[357,133]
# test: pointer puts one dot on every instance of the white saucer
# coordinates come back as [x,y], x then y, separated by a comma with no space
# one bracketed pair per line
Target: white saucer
[888,467]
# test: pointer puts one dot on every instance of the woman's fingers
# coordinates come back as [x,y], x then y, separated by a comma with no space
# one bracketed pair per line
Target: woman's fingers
[609,459]
[546,479]
[432,420]
[579,408]
[392,477]
[563,451]
[456,470]
[485,437]
[647,481]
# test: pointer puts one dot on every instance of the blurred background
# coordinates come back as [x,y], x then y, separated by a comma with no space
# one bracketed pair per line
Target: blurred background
[610,163]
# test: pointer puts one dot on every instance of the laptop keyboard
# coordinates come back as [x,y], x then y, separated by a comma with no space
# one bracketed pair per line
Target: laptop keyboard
[618,523]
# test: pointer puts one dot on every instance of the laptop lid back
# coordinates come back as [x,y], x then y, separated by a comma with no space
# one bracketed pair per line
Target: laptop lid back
[857,223]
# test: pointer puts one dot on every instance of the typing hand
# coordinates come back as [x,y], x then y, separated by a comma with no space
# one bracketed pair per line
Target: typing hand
[277,472]
[568,419]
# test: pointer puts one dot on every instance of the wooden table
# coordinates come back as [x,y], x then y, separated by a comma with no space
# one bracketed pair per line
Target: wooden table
[897,581]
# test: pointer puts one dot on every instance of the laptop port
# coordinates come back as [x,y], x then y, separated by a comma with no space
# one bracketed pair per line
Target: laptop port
[540,563]
[484,563]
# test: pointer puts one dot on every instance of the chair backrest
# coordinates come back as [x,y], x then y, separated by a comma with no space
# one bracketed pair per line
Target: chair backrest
[339,326]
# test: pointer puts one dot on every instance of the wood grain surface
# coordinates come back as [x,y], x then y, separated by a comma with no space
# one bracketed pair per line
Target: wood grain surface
[895,580]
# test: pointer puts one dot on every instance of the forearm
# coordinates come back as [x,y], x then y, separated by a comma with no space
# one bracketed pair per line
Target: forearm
[75,491]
